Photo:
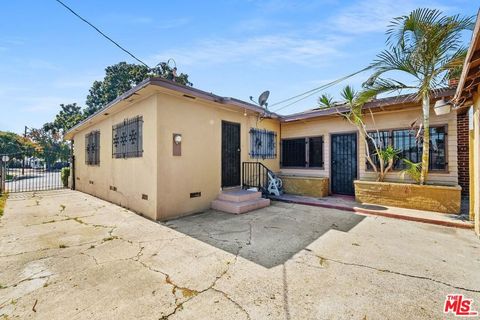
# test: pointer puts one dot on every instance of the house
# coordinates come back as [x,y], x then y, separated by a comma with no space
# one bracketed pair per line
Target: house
[166,150]
[467,98]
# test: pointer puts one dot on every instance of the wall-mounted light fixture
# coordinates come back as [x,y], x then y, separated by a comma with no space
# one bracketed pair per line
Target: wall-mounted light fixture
[177,144]
[177,138]
[442,107]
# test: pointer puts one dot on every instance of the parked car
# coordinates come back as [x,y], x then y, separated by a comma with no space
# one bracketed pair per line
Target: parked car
[59,165]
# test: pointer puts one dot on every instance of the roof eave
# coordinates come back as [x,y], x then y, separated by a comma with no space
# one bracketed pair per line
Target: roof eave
[169,85]
[474,46]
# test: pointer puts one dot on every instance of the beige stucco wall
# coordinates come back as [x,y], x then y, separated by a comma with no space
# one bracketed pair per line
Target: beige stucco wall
[383,120]
[133,176]
[198,169]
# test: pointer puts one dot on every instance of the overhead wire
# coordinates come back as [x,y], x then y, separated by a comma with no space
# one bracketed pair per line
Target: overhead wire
[309,93]
[103,34]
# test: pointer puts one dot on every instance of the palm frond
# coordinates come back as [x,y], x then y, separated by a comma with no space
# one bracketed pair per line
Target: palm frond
[325,101]
[349,94]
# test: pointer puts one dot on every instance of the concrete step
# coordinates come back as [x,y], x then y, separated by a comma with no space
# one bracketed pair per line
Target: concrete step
[239,207]
[239,195]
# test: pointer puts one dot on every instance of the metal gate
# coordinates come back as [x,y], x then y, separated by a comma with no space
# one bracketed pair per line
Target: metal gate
[344,163]
[230,154]
[21,172]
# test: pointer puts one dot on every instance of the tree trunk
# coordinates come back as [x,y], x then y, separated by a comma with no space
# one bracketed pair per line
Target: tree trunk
[426,137]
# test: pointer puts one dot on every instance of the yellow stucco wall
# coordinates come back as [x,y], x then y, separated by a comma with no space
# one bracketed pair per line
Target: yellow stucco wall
[445,199]
[383,120]
[132,177]
[198,169]
[306,186]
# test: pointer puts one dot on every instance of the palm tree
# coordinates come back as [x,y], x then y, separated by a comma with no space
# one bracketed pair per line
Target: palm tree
[426,46]
[351,108]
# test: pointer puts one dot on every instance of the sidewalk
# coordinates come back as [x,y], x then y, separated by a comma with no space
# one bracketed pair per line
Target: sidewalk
[348,203]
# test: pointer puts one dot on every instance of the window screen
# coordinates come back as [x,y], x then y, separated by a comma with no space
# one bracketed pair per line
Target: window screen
[315,152]
[293,152]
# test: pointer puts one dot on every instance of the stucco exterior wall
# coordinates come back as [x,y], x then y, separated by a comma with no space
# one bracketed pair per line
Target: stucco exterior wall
[132,177]
[198,169]
[383,120]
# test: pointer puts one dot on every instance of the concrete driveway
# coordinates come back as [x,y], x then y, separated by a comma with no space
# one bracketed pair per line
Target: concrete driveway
[67,255]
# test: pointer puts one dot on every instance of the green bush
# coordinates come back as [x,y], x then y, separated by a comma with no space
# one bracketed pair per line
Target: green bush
[65,175]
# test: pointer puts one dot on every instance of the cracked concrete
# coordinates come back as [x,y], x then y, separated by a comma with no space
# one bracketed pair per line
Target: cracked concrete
[73,256]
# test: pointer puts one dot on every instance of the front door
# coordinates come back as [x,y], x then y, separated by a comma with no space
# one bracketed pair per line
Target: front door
[344,163]
[230,154]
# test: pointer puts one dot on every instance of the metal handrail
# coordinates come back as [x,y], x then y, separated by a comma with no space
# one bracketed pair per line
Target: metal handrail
[255,175]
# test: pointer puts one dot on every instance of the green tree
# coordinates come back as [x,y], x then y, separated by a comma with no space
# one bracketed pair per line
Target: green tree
[12,143]
[351,109]
[69,115]
[425,46]
[122,77]
[52,147]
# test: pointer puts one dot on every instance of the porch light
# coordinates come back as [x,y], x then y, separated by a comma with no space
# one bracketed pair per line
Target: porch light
[442,107]
[178,139]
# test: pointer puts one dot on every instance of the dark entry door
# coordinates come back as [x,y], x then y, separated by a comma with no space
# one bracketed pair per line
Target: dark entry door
[344,163]
[230,154]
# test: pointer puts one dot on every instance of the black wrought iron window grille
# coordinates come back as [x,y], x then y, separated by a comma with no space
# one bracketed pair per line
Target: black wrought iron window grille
[92,148]
[127,138]
[410,147]
[382,139]
[302,152]
[263,144]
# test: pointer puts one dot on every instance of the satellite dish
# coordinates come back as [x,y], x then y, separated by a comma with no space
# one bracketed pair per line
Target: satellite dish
[262,100]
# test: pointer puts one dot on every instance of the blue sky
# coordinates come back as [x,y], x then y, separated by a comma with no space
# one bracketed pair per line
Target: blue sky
[233,48]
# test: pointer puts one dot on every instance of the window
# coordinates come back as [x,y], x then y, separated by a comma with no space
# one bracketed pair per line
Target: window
[92,148]
[406,143]
[302,152]
[127,138]
[383,139]
[315,152]
[263,144]
[438,157]
[410,148]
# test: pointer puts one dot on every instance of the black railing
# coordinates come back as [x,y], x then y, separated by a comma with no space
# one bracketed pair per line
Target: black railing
[255,175]
[23,172]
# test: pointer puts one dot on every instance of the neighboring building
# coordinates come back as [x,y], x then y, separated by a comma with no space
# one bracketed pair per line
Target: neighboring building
[467,97]
[166,150]
[344,157]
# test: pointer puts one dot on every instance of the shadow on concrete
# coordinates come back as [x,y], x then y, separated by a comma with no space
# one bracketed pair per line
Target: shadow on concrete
[268,236]
[372,207]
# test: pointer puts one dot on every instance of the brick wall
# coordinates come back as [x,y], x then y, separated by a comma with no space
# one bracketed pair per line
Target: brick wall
[462,152]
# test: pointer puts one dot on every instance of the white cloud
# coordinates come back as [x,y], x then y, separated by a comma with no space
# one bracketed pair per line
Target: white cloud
[374,15]
[267,49]
[78,81]
[154,22]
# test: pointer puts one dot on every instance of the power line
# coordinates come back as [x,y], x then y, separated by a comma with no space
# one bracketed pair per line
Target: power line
[103,34]
[313,91]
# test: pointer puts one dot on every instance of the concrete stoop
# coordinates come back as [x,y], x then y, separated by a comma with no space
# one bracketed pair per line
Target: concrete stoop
[239,201]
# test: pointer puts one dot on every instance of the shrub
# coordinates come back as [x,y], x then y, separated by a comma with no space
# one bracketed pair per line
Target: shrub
[65,173]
